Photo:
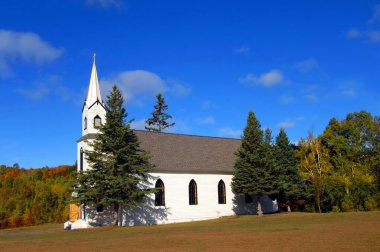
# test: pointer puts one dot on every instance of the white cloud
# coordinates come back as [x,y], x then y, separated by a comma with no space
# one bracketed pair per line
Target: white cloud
[178,88]
[228,132]
[242,50]
[369,35]
[311,93]
[286,124]
[206,104]
[353,33]
[26,47]
[135,83]
[179,127]
[349,92]
[287,99]
[307,65]
[141,83]
[106,3]
[349,88]
[373,36]
[208,120]
[375,18]
[311,97]
[290,122]
[50,85]
[37,92]
[138,125]
[269,79]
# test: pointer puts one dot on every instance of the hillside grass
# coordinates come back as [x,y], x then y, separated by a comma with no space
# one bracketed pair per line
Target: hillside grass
[356,231]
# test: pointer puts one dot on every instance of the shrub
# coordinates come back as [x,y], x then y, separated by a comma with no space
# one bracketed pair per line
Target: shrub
[370,204]
[347,205]
[335,209]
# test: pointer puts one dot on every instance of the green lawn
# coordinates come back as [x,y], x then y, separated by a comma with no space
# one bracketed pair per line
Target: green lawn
[359,231]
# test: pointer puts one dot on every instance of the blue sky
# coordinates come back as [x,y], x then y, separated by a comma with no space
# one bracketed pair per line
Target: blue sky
[296,64]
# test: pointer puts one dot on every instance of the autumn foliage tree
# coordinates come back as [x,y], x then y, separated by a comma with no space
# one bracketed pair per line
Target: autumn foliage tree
[354,149]
[34,196]
[315,165]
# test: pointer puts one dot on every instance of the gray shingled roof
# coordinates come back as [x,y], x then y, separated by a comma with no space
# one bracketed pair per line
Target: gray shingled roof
[187,153]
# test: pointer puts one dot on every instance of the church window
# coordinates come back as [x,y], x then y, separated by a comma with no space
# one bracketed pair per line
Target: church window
[221,192]
[81,160]
[248,198]
[160,193]
[85,123]
[99,208]
[193,193]
[97,121]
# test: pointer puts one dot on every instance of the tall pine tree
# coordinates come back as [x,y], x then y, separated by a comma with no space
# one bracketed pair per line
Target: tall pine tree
[253,170]
[159,120]
[119,166]
[289,183]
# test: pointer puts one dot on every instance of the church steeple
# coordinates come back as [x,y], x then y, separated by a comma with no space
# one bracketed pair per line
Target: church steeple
[93,112]
[93,94]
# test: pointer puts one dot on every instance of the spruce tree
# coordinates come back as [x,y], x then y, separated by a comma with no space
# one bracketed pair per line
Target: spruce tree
[118,166]
[159,119]
[269,159]
[268,136]
[289,182]
[253,171]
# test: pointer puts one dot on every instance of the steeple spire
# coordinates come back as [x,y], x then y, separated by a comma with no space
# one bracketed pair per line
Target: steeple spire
[93,94]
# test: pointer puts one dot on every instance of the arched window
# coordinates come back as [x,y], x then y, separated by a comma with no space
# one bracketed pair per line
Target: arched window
[85,123]
[81,159]
[97,121]
[160,193]
[193,193]
[221,192]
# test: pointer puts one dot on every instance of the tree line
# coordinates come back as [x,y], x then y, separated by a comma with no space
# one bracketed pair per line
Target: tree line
[34,196]
[335,171]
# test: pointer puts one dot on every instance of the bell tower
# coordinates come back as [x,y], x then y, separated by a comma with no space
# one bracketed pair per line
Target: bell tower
[93,113]
[93,116]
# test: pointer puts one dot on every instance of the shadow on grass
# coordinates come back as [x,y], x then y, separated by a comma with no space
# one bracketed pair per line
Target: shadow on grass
[240,207]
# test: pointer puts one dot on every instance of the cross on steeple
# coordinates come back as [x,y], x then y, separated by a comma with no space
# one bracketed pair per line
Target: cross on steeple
[94,57]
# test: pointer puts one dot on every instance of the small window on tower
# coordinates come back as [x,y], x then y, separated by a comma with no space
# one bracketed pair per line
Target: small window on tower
[97,121]
[85,123]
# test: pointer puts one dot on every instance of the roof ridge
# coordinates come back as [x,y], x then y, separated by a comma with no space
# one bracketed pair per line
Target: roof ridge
[182,134]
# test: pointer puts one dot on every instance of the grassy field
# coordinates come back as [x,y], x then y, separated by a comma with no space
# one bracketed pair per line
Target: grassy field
[358,231]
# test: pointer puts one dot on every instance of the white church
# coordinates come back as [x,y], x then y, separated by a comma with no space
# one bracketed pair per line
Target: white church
[193,173]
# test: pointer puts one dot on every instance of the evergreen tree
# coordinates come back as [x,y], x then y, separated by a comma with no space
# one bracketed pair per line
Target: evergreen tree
[289,182]
[269,159]
[253,170]
[158,122]
[119,167]
[268,136]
